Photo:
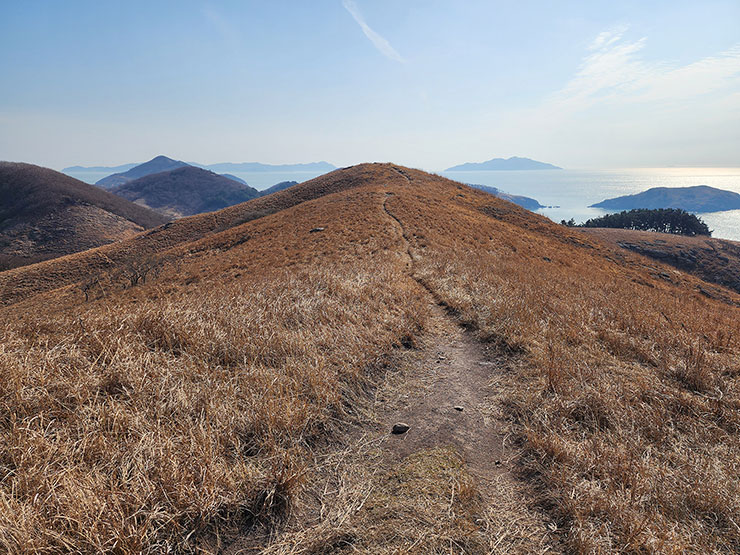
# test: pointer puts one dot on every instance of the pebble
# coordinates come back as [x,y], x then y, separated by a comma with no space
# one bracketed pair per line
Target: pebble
[400,428]
[458,408]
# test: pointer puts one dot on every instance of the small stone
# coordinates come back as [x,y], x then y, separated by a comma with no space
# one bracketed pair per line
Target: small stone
[400,428]
[317,229]
[458,408]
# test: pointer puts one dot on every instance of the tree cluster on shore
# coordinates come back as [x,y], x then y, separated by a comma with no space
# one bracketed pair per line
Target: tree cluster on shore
[663,220]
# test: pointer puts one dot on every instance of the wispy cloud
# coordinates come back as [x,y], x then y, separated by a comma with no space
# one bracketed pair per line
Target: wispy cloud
[620,107]
[383,46]
[615,71]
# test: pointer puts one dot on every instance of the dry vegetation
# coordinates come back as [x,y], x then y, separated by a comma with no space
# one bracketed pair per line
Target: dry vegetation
[627,401]
[153,425]
[713,260]
[178,413]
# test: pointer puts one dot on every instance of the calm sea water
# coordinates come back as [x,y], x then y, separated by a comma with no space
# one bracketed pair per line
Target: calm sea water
[567,193]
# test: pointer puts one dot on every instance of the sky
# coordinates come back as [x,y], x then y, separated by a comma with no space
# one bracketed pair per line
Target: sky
[424,83]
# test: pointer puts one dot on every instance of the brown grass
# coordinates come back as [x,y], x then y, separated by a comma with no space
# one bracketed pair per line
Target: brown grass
[627,402]
[150,426]
[188,409]
[713,260]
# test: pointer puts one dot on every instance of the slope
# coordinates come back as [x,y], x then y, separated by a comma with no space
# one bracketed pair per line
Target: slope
[185,191]
[711,259]
[55,276]
[226,400]
[46,214]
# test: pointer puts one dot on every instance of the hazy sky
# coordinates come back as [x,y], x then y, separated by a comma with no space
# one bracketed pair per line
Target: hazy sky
[426,83]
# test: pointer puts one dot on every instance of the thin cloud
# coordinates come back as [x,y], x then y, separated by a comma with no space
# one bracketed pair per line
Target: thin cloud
[379,42]
[615,71]
[621,107]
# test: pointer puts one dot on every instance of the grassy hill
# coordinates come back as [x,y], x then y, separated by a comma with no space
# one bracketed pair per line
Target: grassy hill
[46,214]
[228,400]
[185,191]
[713,260]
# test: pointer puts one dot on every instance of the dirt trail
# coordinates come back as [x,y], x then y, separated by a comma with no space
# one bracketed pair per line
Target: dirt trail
[454,373]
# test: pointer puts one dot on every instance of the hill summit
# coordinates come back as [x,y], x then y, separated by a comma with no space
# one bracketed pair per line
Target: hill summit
[185,191]
[155,165]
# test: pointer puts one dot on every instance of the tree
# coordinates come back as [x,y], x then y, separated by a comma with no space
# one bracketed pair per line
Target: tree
[663,220]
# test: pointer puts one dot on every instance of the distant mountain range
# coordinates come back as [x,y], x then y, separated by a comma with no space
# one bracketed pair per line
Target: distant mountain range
[257,167]
[700,198]
[218,168]
[513,163]
[45,214]
[182,189]
[99,169]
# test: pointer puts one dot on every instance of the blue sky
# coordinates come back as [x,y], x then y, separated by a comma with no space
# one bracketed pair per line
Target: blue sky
[426,83]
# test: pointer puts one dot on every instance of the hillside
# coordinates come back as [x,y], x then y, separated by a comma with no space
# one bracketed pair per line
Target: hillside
[701,198]
[45,214]
[513,163]
[157,164]
[185,191]
[561,394]
[713,260]
[524,202]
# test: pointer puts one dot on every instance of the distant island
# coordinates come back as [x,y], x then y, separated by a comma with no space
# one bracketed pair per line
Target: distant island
[524,202]
[99,169]
[700,198]
[500,164]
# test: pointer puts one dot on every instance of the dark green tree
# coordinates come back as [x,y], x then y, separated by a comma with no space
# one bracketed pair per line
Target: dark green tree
[663,220]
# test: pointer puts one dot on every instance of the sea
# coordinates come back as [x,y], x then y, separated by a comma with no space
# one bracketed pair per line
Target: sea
[568,193]
[565,194]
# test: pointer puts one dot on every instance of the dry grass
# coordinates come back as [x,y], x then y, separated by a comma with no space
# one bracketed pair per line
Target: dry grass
[427,503]
[180,413]
[627,401]
[150,426]
[713,260]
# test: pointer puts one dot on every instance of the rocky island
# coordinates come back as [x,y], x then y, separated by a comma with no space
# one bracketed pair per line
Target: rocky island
[700,198]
